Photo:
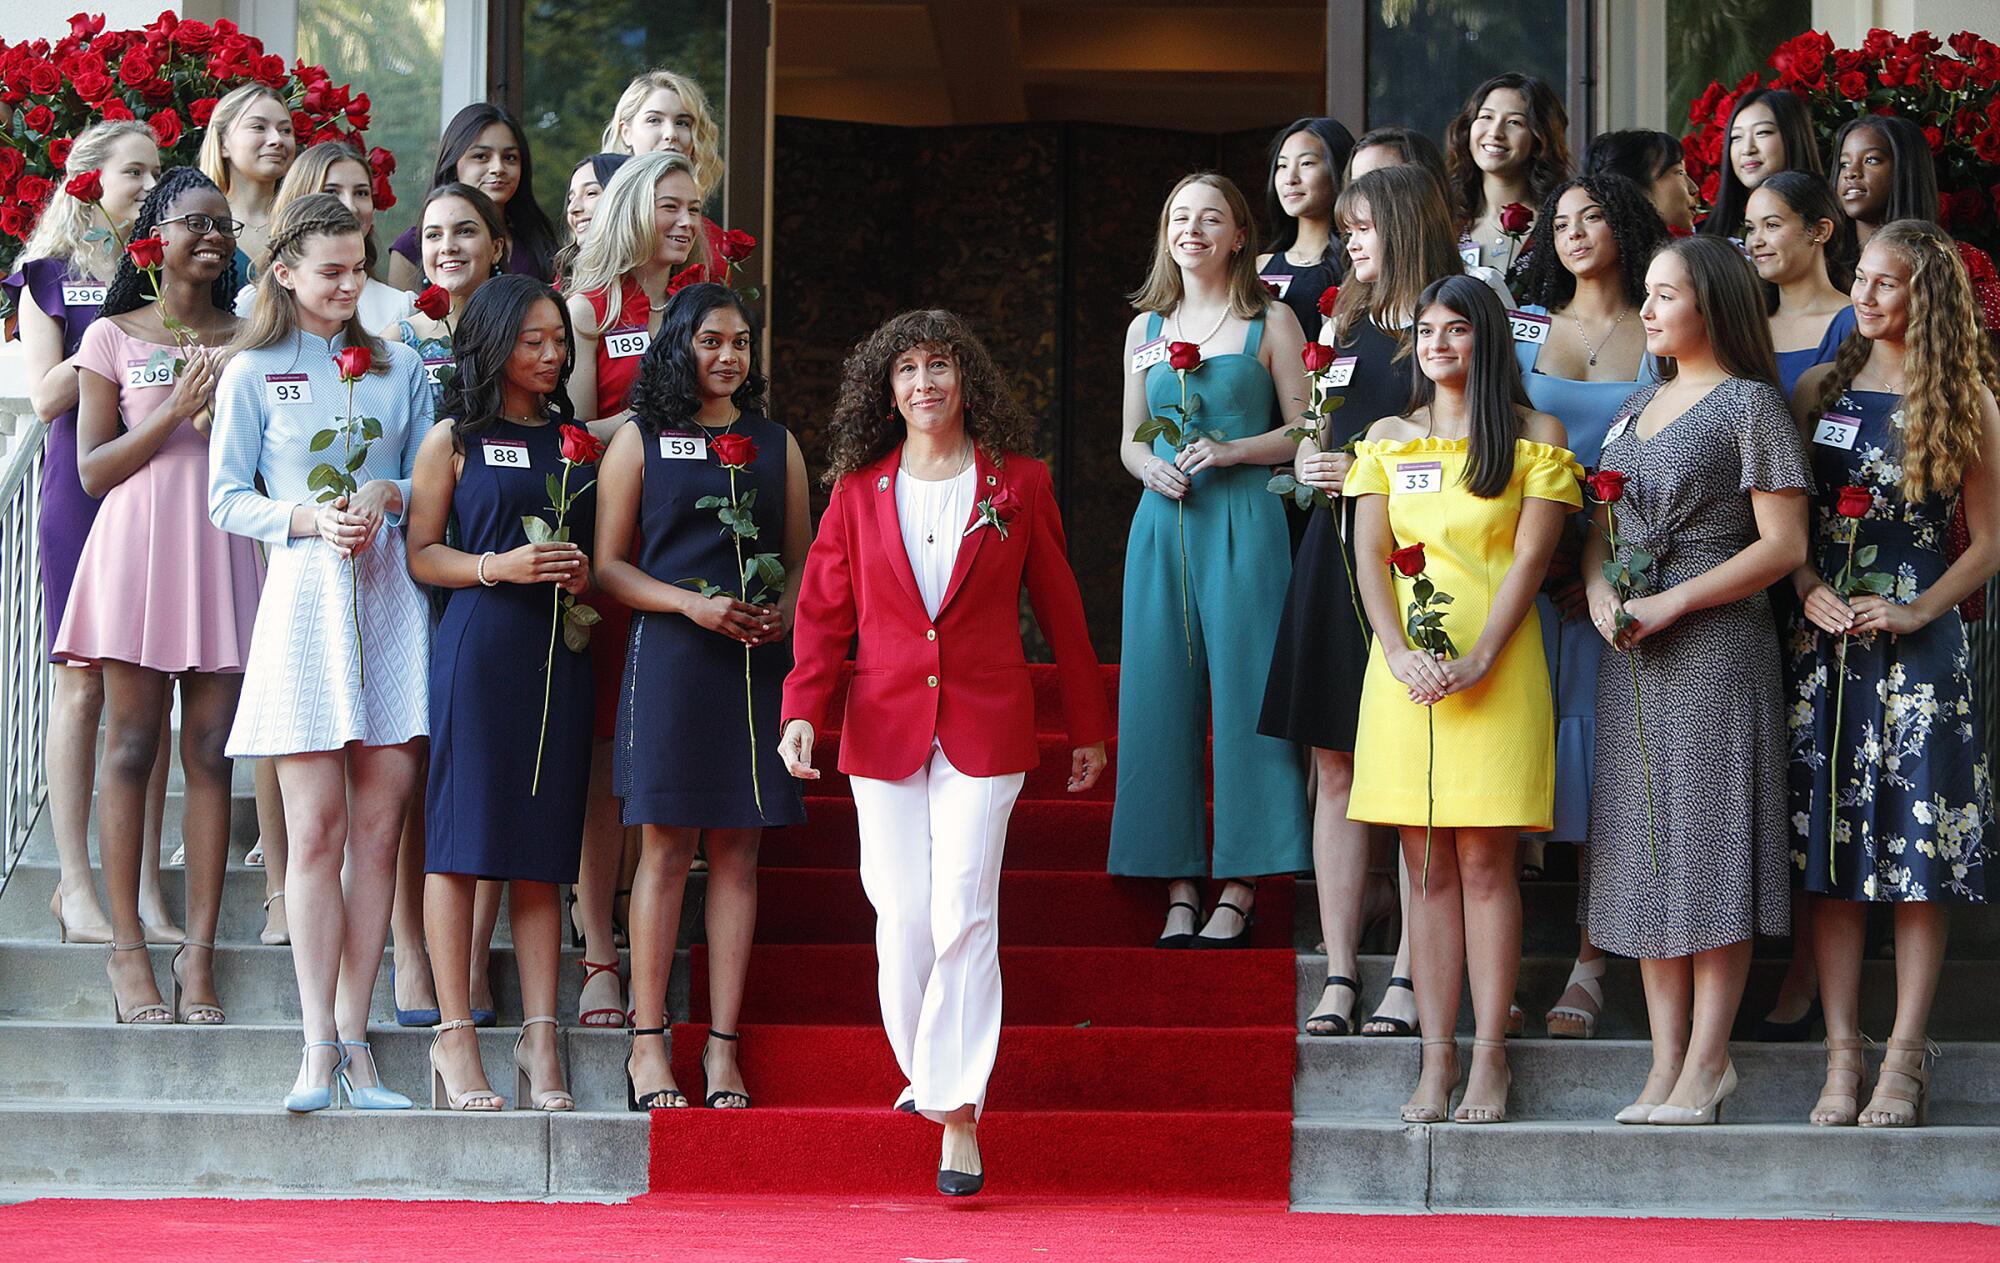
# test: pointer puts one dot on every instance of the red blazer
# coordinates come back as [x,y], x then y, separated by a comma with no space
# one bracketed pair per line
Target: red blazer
[960,680]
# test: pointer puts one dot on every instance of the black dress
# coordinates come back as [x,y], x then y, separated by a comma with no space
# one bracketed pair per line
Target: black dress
[484,813]
[683,749]
[1300,287]
[1313,694]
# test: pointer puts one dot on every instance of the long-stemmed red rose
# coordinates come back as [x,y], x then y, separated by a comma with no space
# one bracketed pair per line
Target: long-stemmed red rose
[336,481]
[1318,358]
[1424,624]
[1625,570]
[1183,358]
[1850,506]
[575,619]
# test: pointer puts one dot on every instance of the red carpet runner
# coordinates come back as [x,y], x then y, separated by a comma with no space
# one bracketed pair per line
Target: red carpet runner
[1125,1073]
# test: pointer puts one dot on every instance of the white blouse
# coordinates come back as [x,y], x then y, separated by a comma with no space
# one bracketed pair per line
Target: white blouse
[933,517]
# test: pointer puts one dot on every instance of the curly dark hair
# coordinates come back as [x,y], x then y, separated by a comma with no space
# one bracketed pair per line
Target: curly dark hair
[481,345]
[1635,225]
[1548,161]
[127,291]
[664,396]
[865,421]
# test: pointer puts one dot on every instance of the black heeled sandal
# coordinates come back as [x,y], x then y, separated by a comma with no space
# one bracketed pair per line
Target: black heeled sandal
[1205,942]
[659,1099]
[737,1100]
[1179,941]
[1336,1023]
[1398,1028]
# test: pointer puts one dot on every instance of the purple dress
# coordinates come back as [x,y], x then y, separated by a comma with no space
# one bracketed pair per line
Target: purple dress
[67,510]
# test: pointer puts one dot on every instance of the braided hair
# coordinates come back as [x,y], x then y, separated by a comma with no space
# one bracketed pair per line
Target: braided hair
[1636,228]
[273,316]
[128,290]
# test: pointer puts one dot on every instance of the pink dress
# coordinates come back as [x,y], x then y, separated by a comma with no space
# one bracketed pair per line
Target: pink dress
[158,585]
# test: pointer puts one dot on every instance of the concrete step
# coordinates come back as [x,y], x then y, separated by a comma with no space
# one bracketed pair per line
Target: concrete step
[242,827]
[69,1063]
[249,1151]
[1548,926]
[1590,1080]
[66,983]
[1971,989]
[1779,1170]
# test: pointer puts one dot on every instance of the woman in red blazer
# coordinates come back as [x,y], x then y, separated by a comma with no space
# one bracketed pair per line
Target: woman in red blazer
[936,519]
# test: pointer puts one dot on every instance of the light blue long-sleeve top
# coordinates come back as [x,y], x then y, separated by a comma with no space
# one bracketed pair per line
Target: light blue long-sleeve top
[254,436]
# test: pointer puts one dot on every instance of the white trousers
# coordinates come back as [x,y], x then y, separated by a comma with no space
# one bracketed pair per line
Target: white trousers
[930,862]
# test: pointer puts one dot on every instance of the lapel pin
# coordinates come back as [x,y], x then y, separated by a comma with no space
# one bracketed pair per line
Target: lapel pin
[992,481]
[882,483]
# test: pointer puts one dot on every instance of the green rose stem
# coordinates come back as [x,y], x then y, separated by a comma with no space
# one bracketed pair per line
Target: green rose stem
[749,699]
[1839,703]
[1638,696]
[1180,520]
[555,622]
[354,570]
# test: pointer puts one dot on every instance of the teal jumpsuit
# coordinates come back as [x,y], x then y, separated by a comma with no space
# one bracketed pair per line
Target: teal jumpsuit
[1238,565]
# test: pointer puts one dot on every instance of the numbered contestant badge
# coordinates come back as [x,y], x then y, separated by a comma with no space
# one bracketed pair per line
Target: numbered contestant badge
[507,454]
[1340,373]
[1529,329]
[1833,430]
[157,371]
[83,295]
[1419,477]
[287,389]
[623,344]
[1149,354]
[683,447]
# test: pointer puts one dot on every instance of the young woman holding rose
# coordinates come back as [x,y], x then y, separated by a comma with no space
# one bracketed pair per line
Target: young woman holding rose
[1475,484]
[707,775]
[1586,276]
[338,601]
[160,594]
[664,112]
[57,290]
[507,778]
[1891,796]
[1509,145]
[647,227]
[1714,490]
[484,146]
[1799,242]
[1656,163]
[586,186]
[1769,130]
[1305,261]
[247,150]
[1205,570]
[938,516]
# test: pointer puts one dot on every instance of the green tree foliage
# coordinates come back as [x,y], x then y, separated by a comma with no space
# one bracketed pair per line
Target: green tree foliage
[395,53]
[1722,40]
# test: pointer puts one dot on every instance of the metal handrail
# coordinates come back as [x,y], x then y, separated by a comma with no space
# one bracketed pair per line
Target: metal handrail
[24,671]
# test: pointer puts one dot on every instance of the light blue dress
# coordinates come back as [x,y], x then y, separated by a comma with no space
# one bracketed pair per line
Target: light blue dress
[1586,410]
[340,651]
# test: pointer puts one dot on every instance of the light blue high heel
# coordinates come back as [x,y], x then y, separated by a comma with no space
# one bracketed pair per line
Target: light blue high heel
[311,1100]
[374,1096]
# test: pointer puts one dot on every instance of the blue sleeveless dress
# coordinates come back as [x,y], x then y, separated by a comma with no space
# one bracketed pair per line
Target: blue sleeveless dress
[1914,799]
[484,814]
[1792,365]
[1586,410]
[1238,564]
[683,748]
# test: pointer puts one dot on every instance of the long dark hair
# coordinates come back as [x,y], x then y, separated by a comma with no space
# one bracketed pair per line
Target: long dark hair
[528,227]
[1636,228]
[1338,142]
[1812,199]
[488,329]
[1731,302]
[865,421]
[1639,154]
[665,395]
[1913,186]
[1548,161]
[1412,148]
[127,292]
[1801,154]
[1494,394]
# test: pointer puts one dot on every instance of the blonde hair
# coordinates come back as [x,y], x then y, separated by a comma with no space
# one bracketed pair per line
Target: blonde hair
[63,232]
[1163,290]
[1947,360]
[273,315]
[213,162]
[309,171]
[707,153]
[623,235]
[1418,246]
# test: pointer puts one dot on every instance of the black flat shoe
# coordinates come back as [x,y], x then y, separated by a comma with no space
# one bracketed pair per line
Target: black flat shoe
[958,1184]
[1178,941]
[1769,1032]
[1248,916]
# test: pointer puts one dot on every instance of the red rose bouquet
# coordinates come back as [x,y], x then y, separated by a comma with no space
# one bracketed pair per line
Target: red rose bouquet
[760,576]
[1951,89]
[573,618]
[168,75]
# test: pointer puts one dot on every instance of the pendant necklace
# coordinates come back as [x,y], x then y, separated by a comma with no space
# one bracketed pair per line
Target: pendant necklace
[1585,338]
[949,487]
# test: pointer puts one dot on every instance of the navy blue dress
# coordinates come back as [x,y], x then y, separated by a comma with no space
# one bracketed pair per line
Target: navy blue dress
[683,748]
[484,815]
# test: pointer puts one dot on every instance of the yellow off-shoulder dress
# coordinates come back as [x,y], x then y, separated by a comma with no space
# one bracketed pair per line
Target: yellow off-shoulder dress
[1495,742]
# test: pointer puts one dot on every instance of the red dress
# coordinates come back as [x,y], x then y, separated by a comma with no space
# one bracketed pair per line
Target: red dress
[615,375]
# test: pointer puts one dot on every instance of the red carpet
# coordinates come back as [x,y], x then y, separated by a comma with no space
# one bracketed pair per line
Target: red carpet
[1125,1073]
[985,1230]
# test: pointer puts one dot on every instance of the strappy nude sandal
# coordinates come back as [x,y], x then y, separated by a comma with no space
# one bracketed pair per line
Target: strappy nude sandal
[194,1014]
[555,1100]
[471,1101]
[1486,1113]
[1429,1113]
[1912,1088]
[1566,1021]
[1844,1065]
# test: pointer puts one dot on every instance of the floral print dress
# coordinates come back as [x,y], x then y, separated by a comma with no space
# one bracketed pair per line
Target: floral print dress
[1911,793]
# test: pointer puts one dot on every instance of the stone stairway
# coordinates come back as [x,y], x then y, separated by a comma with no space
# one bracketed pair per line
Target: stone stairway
[1350,1150]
